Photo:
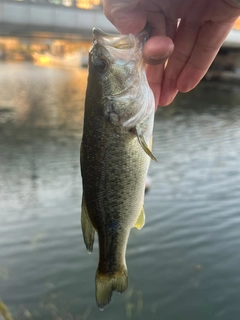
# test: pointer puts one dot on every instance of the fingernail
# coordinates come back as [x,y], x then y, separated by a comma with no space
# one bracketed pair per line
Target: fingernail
[158,59]
[235,3]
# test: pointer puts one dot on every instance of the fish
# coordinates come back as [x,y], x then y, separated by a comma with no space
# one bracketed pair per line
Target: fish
[115,153]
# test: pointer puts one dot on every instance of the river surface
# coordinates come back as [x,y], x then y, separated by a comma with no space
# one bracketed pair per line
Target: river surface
[183,265]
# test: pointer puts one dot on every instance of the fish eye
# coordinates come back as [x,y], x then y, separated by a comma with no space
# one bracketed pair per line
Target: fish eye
[102,65]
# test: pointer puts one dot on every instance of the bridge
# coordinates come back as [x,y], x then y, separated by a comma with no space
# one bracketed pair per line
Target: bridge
[51,18]
[70,19]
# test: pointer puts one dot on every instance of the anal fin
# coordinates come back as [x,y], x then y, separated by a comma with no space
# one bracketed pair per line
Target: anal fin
[87,227]
[140,220]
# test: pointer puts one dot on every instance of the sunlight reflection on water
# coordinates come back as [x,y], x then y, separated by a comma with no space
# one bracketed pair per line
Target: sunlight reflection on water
[184,264]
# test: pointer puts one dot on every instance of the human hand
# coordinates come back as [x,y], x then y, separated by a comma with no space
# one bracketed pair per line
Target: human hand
[190,46]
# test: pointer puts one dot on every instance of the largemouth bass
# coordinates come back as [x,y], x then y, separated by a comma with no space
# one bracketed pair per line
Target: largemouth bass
[115,153]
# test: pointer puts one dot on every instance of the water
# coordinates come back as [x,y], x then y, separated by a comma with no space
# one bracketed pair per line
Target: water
[183,265]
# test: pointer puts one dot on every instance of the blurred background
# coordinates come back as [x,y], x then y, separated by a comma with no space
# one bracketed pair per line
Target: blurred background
[184,264]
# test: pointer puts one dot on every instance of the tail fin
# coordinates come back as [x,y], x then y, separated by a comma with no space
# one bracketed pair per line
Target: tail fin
[107,283]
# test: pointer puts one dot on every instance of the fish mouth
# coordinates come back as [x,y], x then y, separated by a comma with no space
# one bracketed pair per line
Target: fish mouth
[120,41]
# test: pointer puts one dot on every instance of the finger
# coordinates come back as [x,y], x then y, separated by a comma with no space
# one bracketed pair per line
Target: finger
[157,75]
[127,16]
[159,47]
[234,3]
[210,38]
[171,28]
[154,75]
[184,42]
[157,50]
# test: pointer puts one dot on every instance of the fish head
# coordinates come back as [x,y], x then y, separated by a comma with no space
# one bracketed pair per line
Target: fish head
[117,74]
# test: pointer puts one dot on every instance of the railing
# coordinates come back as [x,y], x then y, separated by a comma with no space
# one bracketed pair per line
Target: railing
[24,17]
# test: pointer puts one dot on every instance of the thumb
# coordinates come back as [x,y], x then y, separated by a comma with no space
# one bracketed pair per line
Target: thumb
[127,16]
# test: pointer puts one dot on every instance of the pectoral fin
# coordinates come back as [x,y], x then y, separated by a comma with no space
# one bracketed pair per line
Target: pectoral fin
[87,227]
[143,144]
[140,220]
